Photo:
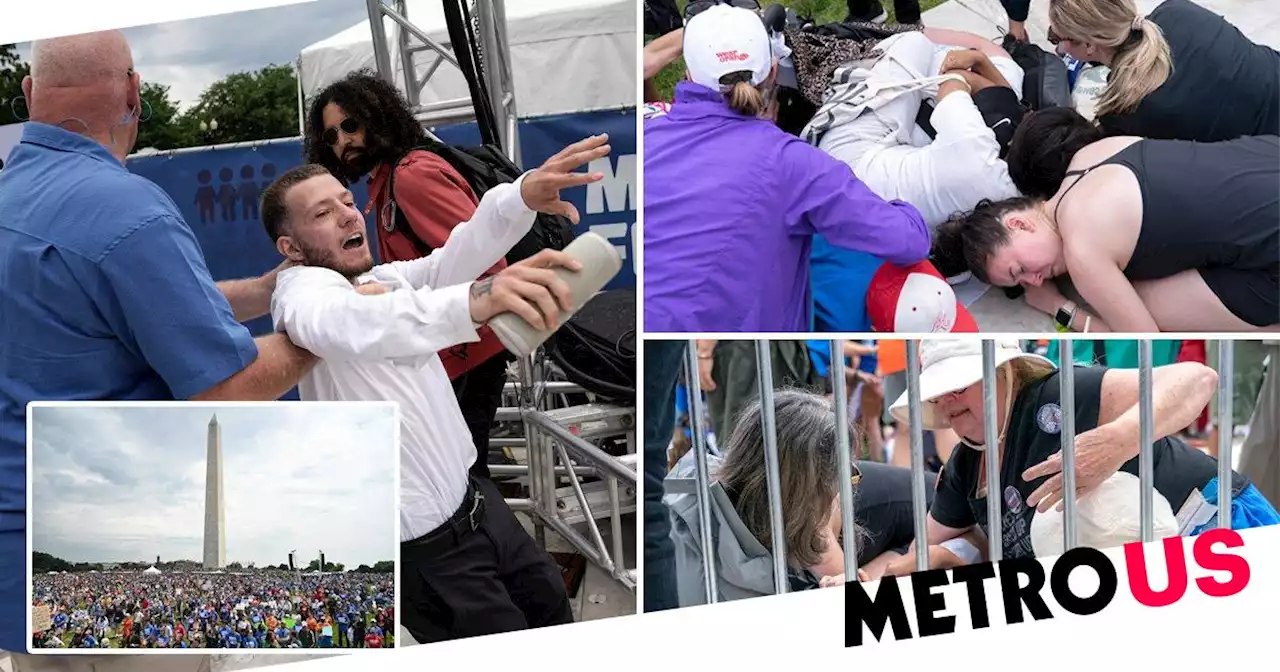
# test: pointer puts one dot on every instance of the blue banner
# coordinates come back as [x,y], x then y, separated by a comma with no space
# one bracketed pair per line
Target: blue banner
[218,189]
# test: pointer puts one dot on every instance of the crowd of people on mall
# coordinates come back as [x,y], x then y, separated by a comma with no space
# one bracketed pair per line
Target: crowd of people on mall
[869,175]
[1029,420]
[251,609]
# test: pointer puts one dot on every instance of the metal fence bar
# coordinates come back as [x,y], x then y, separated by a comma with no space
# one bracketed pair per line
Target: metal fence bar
[1226,427]
[773,480]
[915,418]
[1146,456]
[1067,401]
[991,428]
[703,476]
[844,454]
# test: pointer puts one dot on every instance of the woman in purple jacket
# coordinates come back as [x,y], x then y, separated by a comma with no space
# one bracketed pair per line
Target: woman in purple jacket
[731,202]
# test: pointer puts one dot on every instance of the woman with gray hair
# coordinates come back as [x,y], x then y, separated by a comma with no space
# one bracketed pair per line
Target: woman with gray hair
[741,523]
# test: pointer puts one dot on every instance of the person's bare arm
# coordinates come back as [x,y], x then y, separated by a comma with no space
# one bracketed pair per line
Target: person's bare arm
[856,349]
[662,52]
[959,38]
[278,367]
[250,298]
[1093,245]
[706,364]
[1179,392]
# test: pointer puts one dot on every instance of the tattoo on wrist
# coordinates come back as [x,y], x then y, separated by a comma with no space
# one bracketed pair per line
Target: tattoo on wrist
[482,288]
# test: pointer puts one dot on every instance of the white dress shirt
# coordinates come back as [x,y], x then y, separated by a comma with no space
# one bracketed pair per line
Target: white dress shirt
[881,141]
[383,347]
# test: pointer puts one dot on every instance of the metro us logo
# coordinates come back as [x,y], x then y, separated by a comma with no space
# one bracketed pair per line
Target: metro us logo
[888,609]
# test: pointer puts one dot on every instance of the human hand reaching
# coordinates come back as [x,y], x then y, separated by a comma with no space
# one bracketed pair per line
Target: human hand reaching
[961,59]
[541,187]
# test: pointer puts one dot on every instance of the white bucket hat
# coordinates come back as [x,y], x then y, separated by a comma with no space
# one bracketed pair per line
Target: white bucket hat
[951,364]
[1108,517]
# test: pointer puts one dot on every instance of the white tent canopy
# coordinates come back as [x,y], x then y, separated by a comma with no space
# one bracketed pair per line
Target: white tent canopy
[151,570]
[566,55]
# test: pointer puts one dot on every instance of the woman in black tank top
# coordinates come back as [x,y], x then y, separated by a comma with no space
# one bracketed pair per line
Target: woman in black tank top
[1030,421]
[1156,235]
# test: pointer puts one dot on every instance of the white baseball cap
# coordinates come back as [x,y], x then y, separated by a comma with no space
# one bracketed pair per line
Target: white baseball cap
[1107,517]
[949,365]
[723,39]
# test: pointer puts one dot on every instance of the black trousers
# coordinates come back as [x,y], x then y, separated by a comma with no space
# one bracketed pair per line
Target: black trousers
[479,393]
[905,11]
[481,582]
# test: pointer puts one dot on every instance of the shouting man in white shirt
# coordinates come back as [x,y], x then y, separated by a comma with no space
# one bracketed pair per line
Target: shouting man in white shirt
[468,567]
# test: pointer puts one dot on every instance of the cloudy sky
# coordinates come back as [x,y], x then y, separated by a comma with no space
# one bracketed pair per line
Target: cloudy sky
[190,55]
[127,483]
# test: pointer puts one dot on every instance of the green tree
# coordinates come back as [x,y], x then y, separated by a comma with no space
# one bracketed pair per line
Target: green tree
[12,70]
[247,106]
[165,128]
[384,567]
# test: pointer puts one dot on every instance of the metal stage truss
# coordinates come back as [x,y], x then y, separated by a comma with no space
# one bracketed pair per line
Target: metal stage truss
[488,24]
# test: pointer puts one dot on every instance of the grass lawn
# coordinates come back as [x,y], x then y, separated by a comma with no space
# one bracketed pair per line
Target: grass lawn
[822,11]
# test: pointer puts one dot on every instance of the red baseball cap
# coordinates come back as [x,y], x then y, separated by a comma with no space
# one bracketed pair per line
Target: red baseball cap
[915,299]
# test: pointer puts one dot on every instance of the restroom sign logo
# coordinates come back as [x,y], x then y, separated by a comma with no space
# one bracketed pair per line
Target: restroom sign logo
[1049,417]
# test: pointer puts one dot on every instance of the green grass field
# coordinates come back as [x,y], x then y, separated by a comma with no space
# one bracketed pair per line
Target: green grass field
[822,11]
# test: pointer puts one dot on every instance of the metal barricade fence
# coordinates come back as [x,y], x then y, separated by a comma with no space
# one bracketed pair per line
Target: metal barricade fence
[993,431]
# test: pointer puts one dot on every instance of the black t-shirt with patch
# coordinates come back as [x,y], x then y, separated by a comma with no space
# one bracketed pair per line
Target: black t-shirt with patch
[882,507]
[1033,437]
[1223,86]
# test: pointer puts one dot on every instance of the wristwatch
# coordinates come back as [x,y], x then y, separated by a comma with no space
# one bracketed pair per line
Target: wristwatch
[1065,315]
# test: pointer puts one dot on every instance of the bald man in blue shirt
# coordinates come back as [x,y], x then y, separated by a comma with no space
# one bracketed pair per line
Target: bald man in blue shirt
[104,292]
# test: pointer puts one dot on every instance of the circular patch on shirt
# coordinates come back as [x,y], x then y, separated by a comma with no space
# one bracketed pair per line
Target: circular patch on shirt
[1012,499]
[1049,417]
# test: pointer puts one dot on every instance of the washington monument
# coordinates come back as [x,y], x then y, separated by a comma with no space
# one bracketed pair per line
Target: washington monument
[215,532]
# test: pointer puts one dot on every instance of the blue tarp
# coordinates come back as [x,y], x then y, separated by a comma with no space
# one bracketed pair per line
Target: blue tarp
[218,189]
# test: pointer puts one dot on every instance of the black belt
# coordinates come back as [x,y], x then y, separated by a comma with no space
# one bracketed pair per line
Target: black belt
[464,521]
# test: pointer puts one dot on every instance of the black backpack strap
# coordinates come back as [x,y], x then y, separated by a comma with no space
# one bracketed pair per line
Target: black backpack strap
[398,219]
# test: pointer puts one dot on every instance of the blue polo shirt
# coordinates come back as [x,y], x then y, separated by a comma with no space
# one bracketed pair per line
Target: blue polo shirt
[104,294]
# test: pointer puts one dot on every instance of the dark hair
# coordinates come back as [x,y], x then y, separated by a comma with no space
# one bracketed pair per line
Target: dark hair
[390,130]
[1043,147]
[975,237]
[275,213]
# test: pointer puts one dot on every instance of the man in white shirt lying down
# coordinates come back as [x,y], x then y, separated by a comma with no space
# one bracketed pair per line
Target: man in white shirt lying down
[869,121]
[467,566]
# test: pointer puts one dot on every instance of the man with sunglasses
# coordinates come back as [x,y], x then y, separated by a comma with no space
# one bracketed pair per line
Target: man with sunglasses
[104,291]
[360,125]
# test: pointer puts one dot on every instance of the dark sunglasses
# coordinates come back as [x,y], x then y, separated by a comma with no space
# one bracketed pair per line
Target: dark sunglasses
[348,126]
[1053,37]
[695,8]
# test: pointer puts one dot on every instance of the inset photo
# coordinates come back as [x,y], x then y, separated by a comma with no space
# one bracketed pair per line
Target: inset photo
[177,526]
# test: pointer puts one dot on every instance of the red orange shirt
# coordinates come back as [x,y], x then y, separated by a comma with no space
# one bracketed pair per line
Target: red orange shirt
[434,199]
